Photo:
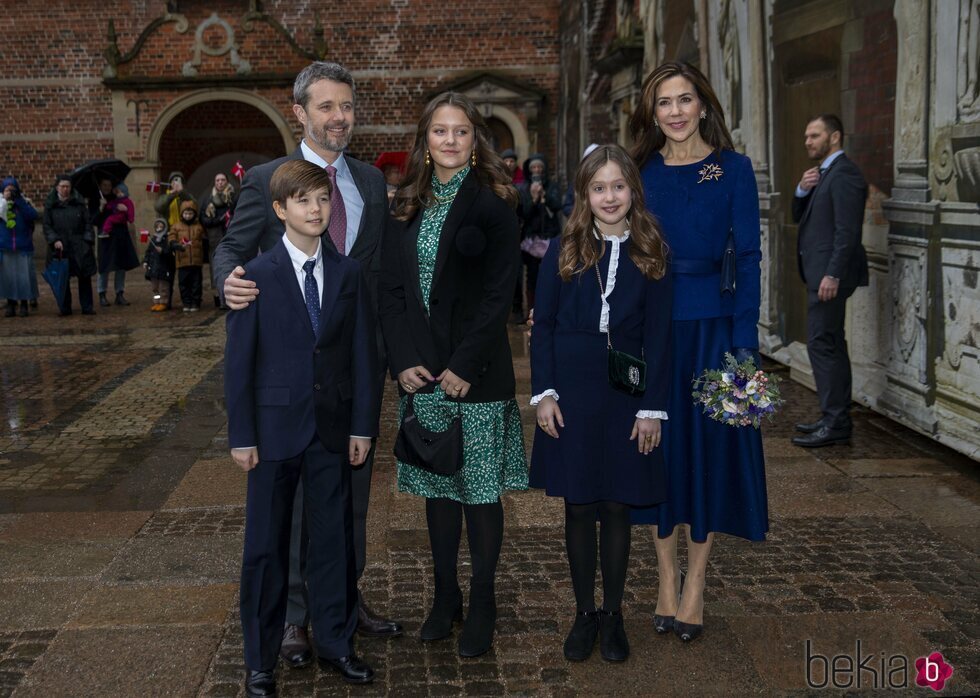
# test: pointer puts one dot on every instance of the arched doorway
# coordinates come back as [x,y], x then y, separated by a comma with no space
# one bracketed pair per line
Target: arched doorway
[501,137]
[210,137]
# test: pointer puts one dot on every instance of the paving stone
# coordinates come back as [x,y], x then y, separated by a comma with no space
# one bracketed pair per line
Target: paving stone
[213,482]
[35,605]
[168,560]
[52,560]
[180,605]
[123,661]
[71,525]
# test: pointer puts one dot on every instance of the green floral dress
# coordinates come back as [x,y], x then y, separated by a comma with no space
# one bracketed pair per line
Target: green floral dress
[493,442]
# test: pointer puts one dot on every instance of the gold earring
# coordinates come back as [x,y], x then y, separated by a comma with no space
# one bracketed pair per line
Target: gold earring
[428,161]
[704,114]
[473,158]
[656,124]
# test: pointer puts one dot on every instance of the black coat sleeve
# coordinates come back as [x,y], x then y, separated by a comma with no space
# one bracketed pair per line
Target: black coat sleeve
[392,290]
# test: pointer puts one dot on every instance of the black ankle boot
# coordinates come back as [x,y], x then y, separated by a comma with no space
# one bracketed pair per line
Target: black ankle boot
[447,608]
[11,309]
[613,643]
[23,308]
[103,301]
[581,638]
[121,299]
[481,617]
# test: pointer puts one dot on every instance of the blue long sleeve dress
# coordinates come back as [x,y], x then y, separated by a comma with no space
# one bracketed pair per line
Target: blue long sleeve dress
[593,459]
[715,473]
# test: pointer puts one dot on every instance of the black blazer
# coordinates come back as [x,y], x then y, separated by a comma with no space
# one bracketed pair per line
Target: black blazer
[255,226]
[472,289]
[830,219]
[282,384]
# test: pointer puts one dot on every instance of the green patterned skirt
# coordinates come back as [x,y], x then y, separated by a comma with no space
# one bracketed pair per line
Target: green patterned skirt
[493,450]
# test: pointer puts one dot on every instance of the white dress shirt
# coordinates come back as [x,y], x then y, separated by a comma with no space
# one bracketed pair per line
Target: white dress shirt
[615,243]
[353,203]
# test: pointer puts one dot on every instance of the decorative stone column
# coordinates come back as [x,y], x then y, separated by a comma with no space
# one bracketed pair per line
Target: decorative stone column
[911,100]
[912,215]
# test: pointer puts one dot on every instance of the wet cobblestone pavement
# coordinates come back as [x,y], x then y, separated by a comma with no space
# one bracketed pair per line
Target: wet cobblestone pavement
[121,521]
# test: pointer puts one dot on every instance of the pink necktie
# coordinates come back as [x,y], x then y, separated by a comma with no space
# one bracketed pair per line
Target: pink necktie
[337,227]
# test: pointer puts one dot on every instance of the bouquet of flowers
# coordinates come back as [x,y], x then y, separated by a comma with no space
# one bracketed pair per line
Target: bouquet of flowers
[738,394]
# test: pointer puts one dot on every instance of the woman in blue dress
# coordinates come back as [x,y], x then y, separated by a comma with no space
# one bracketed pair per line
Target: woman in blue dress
[704,195]
[604,282]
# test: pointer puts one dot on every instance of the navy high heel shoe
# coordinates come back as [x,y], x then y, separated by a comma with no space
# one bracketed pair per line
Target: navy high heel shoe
[664,624]
[687,632]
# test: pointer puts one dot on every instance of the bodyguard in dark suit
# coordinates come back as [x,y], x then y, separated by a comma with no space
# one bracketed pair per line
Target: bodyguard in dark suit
[300,387]
[324,104]
[829,207]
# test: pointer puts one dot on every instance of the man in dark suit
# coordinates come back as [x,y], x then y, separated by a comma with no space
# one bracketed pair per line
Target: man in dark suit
[829,207]
[324,104]
[300,387]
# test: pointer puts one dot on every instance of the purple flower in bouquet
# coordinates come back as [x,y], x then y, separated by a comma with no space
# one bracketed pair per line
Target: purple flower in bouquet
[737,394]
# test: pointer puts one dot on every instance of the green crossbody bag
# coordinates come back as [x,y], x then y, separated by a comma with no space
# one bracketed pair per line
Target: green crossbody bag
[626,372]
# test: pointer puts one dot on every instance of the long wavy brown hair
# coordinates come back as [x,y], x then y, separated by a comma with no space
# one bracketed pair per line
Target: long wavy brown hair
[415,191]
[580,249]
[649,138]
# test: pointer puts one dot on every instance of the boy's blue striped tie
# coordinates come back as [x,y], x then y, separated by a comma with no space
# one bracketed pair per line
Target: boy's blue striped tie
[312,296]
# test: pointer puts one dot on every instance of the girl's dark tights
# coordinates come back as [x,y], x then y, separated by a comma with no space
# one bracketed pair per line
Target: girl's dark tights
[484,531]
[613,548]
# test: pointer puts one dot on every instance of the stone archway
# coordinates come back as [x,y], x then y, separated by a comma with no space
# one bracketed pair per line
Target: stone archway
[191,112]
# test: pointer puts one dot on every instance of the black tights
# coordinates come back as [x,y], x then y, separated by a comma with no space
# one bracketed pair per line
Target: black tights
[614,549]
[484,531]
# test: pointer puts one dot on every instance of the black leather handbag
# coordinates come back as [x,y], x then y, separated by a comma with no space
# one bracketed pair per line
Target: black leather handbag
[626,372]
[439,452]
[728,266]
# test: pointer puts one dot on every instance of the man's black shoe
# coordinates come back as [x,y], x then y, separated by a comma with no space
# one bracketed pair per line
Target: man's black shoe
[260,684]
[371,625]
[824,436]
[809,427]
[295,648]
[352,669]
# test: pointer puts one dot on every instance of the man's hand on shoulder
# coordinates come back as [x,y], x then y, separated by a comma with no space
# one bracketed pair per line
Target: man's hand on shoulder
[239,292]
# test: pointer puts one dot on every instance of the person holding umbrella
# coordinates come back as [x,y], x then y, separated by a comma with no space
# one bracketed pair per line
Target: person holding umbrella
[17,283]
[69,237]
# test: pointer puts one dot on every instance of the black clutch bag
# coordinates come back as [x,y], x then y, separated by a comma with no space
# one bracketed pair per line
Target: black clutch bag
[626,372]
[439,452]
[728,266]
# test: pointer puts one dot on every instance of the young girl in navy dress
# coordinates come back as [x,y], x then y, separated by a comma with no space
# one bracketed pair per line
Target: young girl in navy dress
[605,280]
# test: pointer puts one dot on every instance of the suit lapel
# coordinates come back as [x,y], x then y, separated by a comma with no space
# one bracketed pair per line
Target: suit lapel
[362,188]
[286,276]
[457,211]
[823,178]
[331,288]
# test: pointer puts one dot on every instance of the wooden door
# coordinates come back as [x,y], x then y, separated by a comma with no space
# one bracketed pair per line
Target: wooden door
[807,83]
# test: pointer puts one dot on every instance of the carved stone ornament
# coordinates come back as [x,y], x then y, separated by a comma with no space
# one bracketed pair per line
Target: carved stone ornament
[907,300]
[242,67]
[944,170]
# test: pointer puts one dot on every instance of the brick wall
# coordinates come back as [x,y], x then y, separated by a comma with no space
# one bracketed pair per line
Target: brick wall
[872,75]
[59,111]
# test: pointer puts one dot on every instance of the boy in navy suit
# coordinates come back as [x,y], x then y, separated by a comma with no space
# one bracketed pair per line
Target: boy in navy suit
[300,389]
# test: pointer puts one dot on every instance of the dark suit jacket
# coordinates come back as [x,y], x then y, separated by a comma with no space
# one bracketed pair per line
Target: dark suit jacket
[830,219]
[255,226]
[472,288]
[282,384]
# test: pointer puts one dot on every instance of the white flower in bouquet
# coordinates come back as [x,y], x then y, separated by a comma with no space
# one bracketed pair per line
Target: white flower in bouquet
[751,387]
[727,378]
[729,406]
[764,402]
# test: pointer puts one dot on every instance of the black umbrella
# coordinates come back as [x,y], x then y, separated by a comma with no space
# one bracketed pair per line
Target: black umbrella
[85,178]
